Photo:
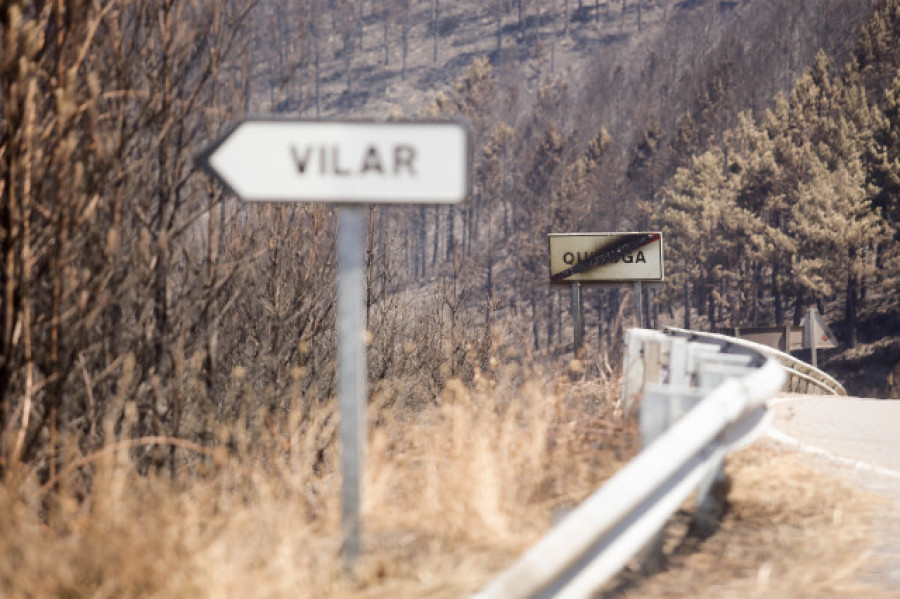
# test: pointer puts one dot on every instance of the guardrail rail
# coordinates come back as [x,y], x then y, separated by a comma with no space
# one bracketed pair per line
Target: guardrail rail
[802,377]
[701,395]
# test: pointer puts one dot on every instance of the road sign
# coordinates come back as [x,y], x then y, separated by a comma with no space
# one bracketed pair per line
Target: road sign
[606,257]
[347,162]
[784,338]
[812,334]
[817,334]
[354,163]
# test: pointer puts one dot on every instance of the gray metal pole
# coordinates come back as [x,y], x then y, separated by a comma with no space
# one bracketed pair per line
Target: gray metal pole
[639,304]
[351,286]
[577,326]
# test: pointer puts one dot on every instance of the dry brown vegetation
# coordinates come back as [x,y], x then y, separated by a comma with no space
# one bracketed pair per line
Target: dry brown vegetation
[791,531]
[451,493]
[167,422]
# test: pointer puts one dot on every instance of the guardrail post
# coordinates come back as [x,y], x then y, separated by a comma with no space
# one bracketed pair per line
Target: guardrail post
[693,371]
[661,407]
[655,419]
[711,500]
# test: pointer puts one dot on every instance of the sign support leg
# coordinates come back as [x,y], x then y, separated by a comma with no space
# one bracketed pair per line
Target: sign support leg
[577,325]
[639,304]
[351,286]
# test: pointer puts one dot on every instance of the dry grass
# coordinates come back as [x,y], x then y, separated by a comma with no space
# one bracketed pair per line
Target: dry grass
[791,532]
[452,493]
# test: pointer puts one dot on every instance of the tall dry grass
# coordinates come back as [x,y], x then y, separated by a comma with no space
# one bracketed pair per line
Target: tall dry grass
[451,493]
[792,531]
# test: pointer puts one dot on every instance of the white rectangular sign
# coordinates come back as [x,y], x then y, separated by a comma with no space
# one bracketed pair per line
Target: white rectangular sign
[337,161]
[606,257]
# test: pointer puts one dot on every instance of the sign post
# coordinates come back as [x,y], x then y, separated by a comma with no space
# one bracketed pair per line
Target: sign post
[639,303]
[816,334]
[606,258]
[351,367]
[577,322]
[351,163]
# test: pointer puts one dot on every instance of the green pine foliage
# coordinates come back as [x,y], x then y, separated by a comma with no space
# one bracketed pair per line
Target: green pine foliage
[801,203]
[883,158]
[877,52]
[883,164]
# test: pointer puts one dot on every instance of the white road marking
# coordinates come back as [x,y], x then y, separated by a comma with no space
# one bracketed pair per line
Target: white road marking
[786,439]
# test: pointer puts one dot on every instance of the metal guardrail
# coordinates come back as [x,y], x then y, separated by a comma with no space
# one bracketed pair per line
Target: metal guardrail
[700,398]
[802,378]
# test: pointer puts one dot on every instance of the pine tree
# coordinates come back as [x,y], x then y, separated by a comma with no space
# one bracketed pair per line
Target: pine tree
[883,158]
[540,180]
[698,216]
[883,163]
[878,50]
[493,171]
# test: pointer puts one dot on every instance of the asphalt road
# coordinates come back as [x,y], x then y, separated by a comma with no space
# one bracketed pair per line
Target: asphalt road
[864,430]
[859,440]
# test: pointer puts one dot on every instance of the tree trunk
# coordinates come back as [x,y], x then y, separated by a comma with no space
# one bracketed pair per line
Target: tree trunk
[362,26]
[559,322]
[422,254]
[550,319]
[554,38]
[404,41]
[799,312]
[601,299]
[489,285]
[451,237]
[776,297]
[318,77]
[348,63]
[385,29]
[435,9]
[522,24]
[756,293]
[437,228]
[499,25]
[615,301]
[9,211]
[851,308]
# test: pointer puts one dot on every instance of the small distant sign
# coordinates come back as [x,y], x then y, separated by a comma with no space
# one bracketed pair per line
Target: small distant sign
[790,338]
[606,257]
[816,333]
[784,338]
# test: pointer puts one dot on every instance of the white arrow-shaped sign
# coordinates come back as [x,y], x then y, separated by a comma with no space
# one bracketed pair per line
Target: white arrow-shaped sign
[336,161]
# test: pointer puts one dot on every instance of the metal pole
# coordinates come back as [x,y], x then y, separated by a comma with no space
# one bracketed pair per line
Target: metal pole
[576,317]
[639,304]
[351,286]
